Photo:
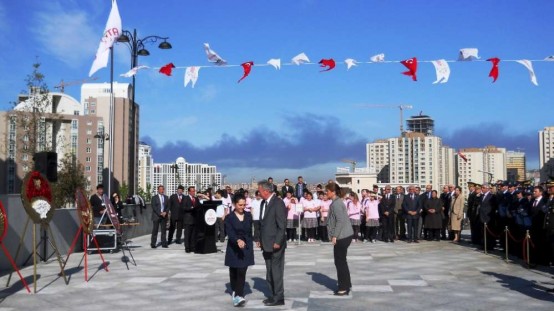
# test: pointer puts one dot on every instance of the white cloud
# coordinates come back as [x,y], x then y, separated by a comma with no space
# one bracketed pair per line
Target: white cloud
[66,34]
[208,93]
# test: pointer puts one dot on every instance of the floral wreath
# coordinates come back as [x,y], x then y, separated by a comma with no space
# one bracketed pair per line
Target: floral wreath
[37,197]
[84,211]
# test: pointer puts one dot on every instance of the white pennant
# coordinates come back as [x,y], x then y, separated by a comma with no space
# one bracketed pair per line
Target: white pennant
[191,75]
[379,58]
[529,67]
[300,59]
[350,62]
[549,58]
[442,69]
[468,54]
[112,31]
[213,56]
[133,71]
[275,62]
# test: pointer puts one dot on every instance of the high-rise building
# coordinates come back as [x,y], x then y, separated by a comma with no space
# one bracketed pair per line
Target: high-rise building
[145,167]
[486,164]
[95,99]
[546,152]
[515,166]
[421,124]
[63,128]
[171,175]
[415,158]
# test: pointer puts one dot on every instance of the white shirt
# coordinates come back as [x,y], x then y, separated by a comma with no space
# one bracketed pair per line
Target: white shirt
[266,204]
[255,209]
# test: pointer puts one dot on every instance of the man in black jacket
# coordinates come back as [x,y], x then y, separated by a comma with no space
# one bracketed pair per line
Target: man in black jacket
[177,209]
[97,204]
[192,203]
[386,212]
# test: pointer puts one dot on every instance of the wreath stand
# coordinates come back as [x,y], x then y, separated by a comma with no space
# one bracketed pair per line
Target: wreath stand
[85,252]
[52,241]
[5,250]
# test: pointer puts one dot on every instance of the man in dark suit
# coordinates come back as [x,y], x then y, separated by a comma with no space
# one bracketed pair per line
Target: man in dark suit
[386,212]
[300,188]
[272,241]
[412,212]
[446,199]
[97,204]
[177,209]
[286,188]
[191,205]
[399,221]
[422,200]
[487,210]
[273,186]
[160,209]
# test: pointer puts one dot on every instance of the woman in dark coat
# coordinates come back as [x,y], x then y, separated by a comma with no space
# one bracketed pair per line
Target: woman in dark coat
[433,220]
[240,247]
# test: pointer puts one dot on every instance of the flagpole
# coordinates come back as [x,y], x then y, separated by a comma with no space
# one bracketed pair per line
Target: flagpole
[111,131]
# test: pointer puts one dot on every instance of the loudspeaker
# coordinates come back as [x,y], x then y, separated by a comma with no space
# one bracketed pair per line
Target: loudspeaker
[47,164]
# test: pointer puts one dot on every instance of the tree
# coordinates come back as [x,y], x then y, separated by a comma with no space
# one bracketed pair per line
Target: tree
[123,191]
[35,117]
[70,178]
[146,195]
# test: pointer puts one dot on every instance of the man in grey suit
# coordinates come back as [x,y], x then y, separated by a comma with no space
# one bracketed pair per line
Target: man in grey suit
[412,211]
[160,209]
[272,241]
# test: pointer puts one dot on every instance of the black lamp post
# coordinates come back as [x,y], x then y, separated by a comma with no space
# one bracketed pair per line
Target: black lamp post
[137,48]
[102,137]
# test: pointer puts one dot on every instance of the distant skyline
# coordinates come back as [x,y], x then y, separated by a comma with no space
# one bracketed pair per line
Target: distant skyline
[299,121]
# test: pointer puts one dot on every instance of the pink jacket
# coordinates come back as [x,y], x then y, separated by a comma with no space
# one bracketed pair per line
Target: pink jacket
[372,209]
[292,211]
[354,209]
[325,208]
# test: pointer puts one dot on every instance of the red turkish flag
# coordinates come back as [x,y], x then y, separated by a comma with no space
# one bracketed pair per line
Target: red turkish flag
[494,70]
[246,68]
[411,64]
[330,63]
[461,155]
[166,70]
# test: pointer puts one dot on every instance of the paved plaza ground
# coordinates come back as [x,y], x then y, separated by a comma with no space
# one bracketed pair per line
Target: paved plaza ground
[399,276]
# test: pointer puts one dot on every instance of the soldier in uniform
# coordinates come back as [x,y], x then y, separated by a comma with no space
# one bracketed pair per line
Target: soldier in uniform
[549,221]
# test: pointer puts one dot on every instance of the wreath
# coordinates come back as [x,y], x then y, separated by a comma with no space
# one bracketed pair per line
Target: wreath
[84,211]
[37,197]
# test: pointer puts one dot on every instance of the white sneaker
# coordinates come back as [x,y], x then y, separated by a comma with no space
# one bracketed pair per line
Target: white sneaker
[239,301]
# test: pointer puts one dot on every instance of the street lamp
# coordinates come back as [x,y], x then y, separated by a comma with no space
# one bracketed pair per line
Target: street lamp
[137,47]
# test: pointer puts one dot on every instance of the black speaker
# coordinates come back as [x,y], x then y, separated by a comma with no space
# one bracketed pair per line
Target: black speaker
[47,164]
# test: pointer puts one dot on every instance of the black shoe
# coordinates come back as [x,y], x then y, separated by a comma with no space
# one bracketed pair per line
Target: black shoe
[275,303]
[164,245]
[416,241]
[392,241]
[169,242]
[178,242]
[152,245]
[187,250]
[341,293]
[267,300]
[410,241]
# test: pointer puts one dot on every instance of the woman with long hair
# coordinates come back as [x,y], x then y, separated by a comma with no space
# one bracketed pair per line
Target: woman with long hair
[340,231]
[240,247]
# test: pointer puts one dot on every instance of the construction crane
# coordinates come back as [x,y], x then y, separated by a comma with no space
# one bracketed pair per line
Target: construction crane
[352,162]
[401,107]
[61,86]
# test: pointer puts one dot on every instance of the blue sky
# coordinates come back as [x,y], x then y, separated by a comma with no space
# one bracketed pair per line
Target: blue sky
[298,121]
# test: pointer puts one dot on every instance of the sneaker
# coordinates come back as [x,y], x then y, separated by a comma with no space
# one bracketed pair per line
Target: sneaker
[233,295]
[235,301]
[241,301]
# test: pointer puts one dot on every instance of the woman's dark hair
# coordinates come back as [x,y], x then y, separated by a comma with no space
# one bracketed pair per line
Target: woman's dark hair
[309,193]
[435,191]
[459,188]
[335,188]
[222,193]
[237,197]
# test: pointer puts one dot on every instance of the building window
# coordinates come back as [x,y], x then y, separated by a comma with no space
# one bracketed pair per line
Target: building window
[75,112]
[89,141]
[87,168]
[89,132]
[88,150]
[88,159]
[74,124]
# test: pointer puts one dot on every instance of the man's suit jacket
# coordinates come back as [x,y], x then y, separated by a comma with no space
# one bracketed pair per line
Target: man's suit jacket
[398,200]
[189,210]
[286,189]
[177,208]
[273,225]
[487,207]
[386,205]
[157,206]
[411,205]
[296,190]
[97,204]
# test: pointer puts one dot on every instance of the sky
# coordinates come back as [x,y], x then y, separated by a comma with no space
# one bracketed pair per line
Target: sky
[298,120]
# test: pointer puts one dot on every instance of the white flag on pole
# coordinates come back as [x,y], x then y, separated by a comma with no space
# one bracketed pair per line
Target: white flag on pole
[191,75]
[133,71]
[350,62]
[529,66]
[379,58]
[468,54]
[300,59]
[442,69]
[112,31]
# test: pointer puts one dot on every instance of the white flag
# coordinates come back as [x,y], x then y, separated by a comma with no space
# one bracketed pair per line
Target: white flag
[300,59]
[191,75]
[468,54]
[111,33]
[442,69]
[213,56]
[529,67]
[133,71]
[549,58]
[275,62]
[379,58]
[350,62]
